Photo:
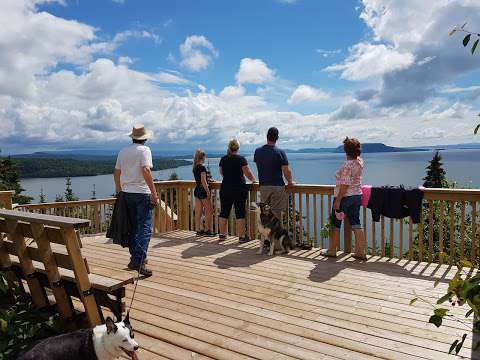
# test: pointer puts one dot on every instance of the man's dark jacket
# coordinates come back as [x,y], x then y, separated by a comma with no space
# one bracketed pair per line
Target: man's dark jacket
[120,227]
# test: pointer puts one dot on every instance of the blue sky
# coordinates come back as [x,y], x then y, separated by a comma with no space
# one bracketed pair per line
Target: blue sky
[79,74]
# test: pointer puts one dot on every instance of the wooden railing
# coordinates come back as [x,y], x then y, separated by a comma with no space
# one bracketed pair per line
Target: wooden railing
[454,209]
[98,211]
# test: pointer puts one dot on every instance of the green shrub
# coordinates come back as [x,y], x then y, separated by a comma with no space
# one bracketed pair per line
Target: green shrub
[20,323]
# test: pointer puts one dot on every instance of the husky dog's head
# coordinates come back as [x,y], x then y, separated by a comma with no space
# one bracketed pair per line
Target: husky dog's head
[119,337]
[261,208]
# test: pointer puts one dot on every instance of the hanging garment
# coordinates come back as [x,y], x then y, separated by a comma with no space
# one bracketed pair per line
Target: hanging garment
[396,202]
[120,228]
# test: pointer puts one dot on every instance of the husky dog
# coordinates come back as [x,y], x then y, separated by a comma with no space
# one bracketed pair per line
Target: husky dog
[103,342]
[271,228]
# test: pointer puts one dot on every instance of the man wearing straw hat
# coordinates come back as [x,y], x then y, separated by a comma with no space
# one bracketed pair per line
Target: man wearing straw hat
[133,177]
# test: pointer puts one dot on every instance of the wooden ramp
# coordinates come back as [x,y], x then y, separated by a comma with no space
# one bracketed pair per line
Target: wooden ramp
[222,301]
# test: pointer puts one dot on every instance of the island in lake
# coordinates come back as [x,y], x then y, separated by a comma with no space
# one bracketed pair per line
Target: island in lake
[366,148]
[47,165]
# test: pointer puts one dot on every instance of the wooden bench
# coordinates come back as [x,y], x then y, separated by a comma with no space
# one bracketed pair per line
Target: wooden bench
[44,250]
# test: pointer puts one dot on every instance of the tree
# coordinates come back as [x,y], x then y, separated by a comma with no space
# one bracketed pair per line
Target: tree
[94,193]
[466,41]
[435,174]
[59,198]
[42,197]
[174,176]
[69,195]
[10,180]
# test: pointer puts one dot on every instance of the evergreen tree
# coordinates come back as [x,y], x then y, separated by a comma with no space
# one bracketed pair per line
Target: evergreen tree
[435,174]
[59,198]
[174,176]
[94,193]
[42,197]
[10,180]
[69,195]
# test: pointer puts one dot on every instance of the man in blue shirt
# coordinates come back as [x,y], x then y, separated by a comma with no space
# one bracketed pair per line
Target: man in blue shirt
[272,166]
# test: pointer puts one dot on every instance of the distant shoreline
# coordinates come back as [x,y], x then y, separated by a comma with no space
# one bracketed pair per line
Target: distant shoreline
[81,166]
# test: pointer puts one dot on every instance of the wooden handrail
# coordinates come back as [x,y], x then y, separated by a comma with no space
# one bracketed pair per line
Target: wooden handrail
[59,221]
[68,204]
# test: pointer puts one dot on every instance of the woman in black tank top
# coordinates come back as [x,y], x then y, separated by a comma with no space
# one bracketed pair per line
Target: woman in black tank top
[233,191]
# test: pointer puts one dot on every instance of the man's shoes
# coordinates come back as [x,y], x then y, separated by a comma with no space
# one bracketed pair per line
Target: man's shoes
[201,233]
[209,233]
[222,237]
[141,269]
[243,239]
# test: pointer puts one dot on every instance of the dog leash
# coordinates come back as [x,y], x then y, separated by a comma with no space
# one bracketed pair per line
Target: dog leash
[136,282]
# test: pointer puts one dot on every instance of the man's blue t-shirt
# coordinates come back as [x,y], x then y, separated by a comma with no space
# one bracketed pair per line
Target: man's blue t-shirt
[269,160]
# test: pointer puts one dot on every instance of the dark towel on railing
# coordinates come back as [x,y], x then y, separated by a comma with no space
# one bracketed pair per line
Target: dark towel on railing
[396,203]
[120,227]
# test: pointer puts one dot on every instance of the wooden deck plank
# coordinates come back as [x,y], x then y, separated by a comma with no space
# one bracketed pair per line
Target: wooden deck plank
[224,302]
[376,340]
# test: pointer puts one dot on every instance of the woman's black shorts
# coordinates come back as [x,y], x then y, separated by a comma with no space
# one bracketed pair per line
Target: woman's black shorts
[233,196]
[200,193]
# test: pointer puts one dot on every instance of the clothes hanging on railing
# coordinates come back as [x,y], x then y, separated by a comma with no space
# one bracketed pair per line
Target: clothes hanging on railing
[396,202]
[120,227]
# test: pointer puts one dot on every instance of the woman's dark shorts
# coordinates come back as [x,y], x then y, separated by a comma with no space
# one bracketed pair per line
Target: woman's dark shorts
[200,193]
[234,196]
[350,205]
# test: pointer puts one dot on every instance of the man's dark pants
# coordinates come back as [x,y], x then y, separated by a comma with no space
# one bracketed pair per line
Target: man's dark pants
[139,209]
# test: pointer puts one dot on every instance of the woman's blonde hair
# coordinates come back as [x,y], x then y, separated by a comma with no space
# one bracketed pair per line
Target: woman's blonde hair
[233,146]
[198,157]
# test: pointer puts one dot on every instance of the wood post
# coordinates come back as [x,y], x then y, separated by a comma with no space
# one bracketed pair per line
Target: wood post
[6,199]
[36,289]
[81,276]
[61,297]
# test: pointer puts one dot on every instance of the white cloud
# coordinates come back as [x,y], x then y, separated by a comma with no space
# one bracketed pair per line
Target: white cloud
[307,94]
[232,92]
[169,78]
[428,134]
[327,53]
[97,102]
[369,60]
[138,34]
[254,71]
[197,53]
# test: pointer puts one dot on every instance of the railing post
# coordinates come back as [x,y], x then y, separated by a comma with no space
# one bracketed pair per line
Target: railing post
[6,199]
[347,236]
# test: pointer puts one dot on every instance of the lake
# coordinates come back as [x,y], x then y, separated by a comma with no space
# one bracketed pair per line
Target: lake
[406,168]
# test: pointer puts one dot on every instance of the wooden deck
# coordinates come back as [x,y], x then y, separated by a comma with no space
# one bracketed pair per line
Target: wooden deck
[222,301]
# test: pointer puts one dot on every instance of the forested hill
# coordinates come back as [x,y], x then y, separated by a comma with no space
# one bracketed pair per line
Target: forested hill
[31,167]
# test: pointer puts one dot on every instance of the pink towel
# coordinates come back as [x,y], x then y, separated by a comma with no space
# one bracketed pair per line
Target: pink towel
[366,193]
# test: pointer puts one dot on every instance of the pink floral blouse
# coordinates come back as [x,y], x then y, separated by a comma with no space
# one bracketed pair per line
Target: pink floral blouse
[350,173]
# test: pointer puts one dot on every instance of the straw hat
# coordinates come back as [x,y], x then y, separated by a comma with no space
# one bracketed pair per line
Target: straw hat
[140,133]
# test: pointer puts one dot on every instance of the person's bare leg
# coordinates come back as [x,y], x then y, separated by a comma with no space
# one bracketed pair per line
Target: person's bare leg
[241,228]
[222,225]
[333,243]
[207,205]
[359,244]
[198,214]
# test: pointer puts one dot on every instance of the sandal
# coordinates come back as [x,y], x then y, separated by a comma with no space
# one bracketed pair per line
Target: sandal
[328,253]
[360,257]
[222,237]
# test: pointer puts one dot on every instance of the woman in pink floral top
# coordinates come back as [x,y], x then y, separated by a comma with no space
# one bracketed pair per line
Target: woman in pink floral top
[348,198]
